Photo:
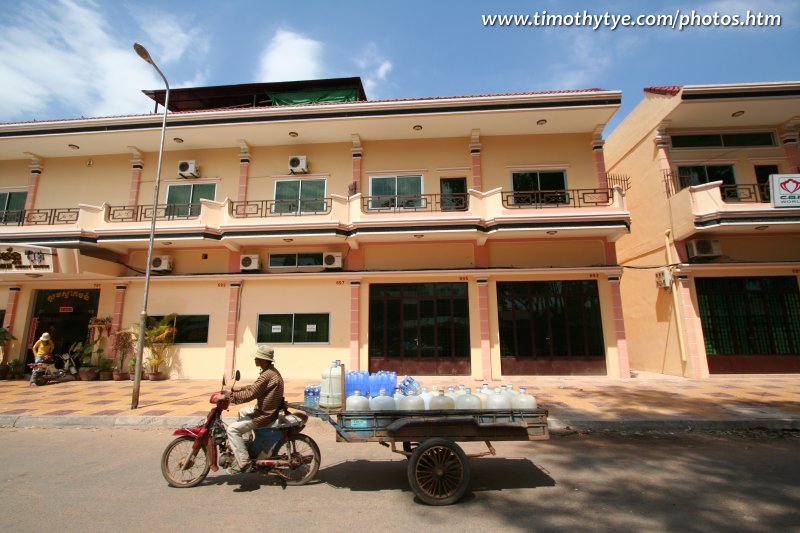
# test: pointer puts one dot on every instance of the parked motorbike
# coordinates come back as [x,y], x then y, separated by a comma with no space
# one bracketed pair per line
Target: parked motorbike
[281,451]
[46,372]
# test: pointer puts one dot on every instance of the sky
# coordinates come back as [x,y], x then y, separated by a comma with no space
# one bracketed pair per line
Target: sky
[74,58]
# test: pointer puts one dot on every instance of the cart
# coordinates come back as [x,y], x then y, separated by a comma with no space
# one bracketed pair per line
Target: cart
[438,470]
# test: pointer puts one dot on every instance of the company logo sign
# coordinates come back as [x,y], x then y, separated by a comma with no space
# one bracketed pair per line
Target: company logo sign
[25,259]
[785,190]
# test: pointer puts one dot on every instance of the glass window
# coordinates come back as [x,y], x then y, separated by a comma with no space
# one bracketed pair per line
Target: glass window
[539,187]
[295,260]
[184,200]
[395,191]
[189,329]
[299,196]
[697,175]
[293,328]
[717,140]
[748,139]
[696,141]
[12,204]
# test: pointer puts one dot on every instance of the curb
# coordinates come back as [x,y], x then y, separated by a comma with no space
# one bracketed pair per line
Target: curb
[556,425]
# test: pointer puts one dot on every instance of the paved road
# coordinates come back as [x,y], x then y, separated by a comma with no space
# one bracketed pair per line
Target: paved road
[109,479]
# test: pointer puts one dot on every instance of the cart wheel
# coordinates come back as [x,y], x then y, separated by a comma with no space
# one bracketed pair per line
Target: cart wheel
[438,472]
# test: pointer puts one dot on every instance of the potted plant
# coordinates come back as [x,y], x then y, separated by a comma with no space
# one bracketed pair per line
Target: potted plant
[123,349]
[83,352]
[159,339]
[104,368]
[14,369]
[5,338]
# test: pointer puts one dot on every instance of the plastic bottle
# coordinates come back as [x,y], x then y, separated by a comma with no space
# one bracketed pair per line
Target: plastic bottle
[460,390]
[412,402]
[398,394]
[451,393]
[482,396]
[468,401]
[331,388]
[382,402]
[498,401]
[426,396]
[356,402]
[441,402]
[523,400]
[315,394]
[307,396]
[408,384]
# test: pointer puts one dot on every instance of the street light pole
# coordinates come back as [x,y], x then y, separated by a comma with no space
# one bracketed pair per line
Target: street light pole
[144,54]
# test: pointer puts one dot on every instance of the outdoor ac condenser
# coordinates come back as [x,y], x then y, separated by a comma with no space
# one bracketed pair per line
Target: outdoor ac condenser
[703,249]
[249,263]
[161,263]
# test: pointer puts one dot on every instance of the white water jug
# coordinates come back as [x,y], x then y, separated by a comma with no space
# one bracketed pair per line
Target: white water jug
[482,396]
[441,402]
[356,402]
[426,396]
[412,402]
[468,401]
[523,400]
[330,394]
[498,401]
[382,402]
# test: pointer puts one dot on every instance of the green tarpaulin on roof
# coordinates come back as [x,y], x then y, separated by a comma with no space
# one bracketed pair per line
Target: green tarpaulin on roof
[314,96]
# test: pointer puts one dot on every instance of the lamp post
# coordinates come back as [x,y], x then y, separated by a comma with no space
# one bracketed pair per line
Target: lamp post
[144,54]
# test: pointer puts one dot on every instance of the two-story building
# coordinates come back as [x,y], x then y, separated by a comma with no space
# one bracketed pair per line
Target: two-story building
[712,262]
[469,235]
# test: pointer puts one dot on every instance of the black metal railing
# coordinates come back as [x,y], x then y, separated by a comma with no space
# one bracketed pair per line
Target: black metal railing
[415,202]
[277,208]
[746,193]
[558,198]
[39,217]
[141,213]
[619,180]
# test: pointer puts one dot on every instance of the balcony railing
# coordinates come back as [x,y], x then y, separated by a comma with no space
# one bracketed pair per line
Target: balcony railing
[390,203]
[558,198]
[39,217]
[747,193]
[277,208]
[619,180]
[141,213]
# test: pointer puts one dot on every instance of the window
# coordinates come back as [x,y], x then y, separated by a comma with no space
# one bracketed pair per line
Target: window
[697,175]
[539,187]
[763,172]
[189,329]
[299,196]
[293,328]
[12,204]
[395,191]
[295,260]
[723,140]
[184,200]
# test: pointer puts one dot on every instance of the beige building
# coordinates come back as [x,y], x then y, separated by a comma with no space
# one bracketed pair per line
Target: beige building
[716,223]
[470,235]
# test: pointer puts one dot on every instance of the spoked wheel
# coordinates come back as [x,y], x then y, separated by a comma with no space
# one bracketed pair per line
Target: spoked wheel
[180,453]
[438,472]
[303,455]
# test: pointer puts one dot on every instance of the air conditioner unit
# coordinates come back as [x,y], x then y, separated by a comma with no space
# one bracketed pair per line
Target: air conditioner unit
[664,279]
[332,260]
[161,263]
[188,169]
[249,262]
[703,249]
[298,164]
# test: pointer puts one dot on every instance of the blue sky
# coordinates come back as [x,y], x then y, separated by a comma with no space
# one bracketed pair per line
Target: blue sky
[74,58]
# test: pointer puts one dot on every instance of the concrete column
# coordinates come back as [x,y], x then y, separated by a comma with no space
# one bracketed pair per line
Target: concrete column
[116,317]
[698,365]
[790,148]
[244,171]
[234,296]
[11,315]
[475,161]
[137,165]
[665,161]
[600,163]
[355,324]
[619,329]
[35,172]
[357,152]
[486,346]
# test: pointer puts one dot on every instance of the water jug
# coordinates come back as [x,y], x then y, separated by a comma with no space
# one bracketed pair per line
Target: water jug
[426,396]
[315,392]
[307,396]
[523,400]
[412,402]
[460,390]
[382,402]
[468,401]
[331,387]
[482,396]
[356,402]
[498,401]
[441,402]
[451,393]
[408,384]
[398,395]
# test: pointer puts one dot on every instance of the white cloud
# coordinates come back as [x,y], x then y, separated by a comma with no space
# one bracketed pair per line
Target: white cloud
[169,36]
[74,64]
[290,56]
[375,71]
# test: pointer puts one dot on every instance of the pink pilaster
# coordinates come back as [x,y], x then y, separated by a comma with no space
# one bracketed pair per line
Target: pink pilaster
[35,172]
[476,165]
[244,173]
[234,296]
[697,364]
[355,324]
[357,160]
[116,317]
[11,315]
[481,252]
[611,253]
[136,179]
[619,329]
[234,261]
[483,306]
[355,259]
[600,164]
[664,161]
[790,149]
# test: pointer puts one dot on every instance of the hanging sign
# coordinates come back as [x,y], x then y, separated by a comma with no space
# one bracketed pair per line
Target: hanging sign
[25,259]
[785,190]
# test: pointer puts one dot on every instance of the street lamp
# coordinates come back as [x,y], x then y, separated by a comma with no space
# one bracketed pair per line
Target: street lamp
[144,54]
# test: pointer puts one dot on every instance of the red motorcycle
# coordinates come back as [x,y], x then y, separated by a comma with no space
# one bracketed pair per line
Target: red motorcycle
[281,451]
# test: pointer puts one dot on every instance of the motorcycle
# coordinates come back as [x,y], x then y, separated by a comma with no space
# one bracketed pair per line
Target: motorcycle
[46,372]
[281,451]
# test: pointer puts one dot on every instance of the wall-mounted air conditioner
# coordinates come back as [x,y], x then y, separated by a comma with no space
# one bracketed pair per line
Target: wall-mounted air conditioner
[161,263]
[188,169]
[249,263]
[332,260]
[703,249]
[298,164]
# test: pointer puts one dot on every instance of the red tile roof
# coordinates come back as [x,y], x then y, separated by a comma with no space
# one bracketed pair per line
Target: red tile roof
[668,90]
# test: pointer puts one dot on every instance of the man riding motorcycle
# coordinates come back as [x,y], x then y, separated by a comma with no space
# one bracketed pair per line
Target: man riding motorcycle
[267,390]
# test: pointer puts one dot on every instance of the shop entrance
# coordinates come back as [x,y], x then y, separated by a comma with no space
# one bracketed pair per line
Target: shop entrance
[65,314]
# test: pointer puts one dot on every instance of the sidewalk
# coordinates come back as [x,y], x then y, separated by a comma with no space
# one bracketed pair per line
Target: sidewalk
[646,402]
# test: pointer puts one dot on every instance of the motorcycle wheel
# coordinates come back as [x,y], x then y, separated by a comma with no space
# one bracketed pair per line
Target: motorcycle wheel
[303,453]
[175,456]
[39,380]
